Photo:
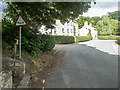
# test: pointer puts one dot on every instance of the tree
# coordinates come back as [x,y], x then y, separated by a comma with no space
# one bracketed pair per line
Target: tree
[81,21]
[95,20]
[45,13]
[114,15]
[107,26]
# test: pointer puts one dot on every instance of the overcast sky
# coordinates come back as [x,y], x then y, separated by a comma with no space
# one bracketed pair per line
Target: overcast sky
[102,8]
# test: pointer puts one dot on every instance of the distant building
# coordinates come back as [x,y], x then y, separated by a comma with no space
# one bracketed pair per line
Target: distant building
[68,29]
[85,30]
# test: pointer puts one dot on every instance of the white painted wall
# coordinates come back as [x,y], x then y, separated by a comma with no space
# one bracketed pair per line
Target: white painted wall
[85,30]
[67,29]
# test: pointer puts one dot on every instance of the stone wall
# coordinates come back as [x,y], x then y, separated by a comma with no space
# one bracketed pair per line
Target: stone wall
[6,79]
[16,66]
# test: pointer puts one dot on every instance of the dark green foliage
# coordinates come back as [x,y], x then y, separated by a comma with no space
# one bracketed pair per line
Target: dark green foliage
[45,13]
[95,20]
[48,41]
[89,33]
[71,39]
[64,39]
[114,15]
[81,21]
[32,43]
[83,38]
[118,40]
[110,37]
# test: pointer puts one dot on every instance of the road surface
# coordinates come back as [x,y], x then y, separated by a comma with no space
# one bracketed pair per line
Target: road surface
[92,64]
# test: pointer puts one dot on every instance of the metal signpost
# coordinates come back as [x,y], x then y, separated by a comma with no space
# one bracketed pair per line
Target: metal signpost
[20,22]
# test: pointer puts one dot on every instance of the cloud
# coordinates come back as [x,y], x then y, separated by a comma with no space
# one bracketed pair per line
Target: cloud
[107,0]
[99,11]
[101,8]
[105,5]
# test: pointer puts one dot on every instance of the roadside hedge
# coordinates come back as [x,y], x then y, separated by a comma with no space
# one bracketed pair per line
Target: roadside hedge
[118,40]
[71,39]
[83,38]
[111,37]
[64,39]
[32,43]
[48,42]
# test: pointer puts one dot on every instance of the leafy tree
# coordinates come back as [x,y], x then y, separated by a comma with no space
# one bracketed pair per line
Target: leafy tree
[37,14]
[107,26]
[95,20]
[45,13]
[82,19]
[114,15]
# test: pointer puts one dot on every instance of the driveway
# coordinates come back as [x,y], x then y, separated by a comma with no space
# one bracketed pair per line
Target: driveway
[92,64]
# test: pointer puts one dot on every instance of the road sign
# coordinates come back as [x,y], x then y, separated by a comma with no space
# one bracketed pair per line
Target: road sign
[20,21]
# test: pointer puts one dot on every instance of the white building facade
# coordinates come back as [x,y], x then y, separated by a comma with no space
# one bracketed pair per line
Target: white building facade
[68,29]
[85,30]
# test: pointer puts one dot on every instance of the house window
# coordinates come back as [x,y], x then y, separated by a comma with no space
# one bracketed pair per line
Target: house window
[68,30]
[55,32]
[71,31]
[50,32]
[63,30]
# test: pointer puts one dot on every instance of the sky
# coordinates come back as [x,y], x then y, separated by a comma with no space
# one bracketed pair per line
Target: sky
[102,8]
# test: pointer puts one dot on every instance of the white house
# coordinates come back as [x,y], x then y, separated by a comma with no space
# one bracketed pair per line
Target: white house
[85,30]
[68,29]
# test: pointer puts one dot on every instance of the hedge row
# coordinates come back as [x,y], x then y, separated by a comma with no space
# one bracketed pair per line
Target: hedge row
[118,40]
[71,39]
[32,43]
[83,38]
[64,39]
[111,37]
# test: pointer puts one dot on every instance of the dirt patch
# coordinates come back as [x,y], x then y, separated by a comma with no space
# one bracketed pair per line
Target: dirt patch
[42,67]
[39,67]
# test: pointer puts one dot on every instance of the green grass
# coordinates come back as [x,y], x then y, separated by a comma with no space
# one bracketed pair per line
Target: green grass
[83,38]
[110,37]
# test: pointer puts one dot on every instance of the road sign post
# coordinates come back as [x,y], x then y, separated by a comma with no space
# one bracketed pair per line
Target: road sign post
[20,43]
[20,22]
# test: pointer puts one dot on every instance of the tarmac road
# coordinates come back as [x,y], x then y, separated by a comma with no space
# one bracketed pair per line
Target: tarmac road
[92,64]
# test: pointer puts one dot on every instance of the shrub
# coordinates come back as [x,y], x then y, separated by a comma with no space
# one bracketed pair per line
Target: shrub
[64,39]
[118,40]
[83,38]
[31,42]
[6,47]
[89,33]
[111,37]
[48,42]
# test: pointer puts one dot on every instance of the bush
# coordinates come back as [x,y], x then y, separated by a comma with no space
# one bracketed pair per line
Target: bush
[31,42]
[64,39]
[118,40]
[89,33]
[83,38]
[48,42]
[111,37]
[6,47]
